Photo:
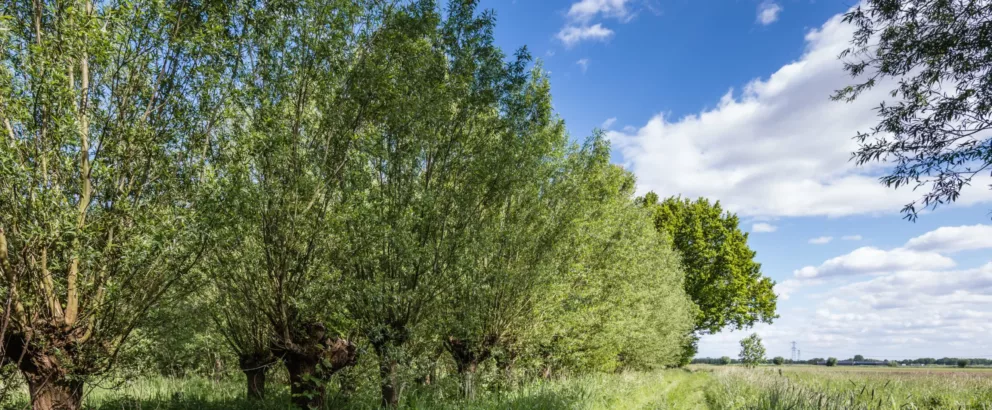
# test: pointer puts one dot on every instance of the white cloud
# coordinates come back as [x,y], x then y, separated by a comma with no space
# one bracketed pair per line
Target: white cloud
[584,64]
[779,148]
[929,313]
[608,123]
[586,10]
[823,240]
[950,239]
[870,260]
[763,227]
[768,12]
[852,237]
[572,35]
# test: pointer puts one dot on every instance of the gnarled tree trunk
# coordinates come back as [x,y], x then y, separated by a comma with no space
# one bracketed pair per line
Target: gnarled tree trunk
[307,375]
[54,392]
[255,367]
[467,358]
[49,383]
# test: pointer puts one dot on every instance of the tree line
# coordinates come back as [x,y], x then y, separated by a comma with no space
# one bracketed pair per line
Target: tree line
[324,185]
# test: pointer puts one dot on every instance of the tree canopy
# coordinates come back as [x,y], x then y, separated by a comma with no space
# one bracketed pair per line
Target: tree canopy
[933,55]
[721,274]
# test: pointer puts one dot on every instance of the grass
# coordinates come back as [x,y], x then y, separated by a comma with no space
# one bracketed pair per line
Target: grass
[854,388]
[701,387]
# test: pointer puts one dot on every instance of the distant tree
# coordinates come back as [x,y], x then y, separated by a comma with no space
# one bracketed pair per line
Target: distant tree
[721,277]
[752,351]
[933,132]
[831,361]
[859,358]
[725,360]
[778,360]
[892,363]
[963,363]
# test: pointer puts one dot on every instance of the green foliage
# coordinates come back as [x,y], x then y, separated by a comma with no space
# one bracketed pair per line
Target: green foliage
[752,351]
[106,109]
[778,360]
[722,277]
[859,358]
[922,49]
[962,363]
[725,360]
[831,361]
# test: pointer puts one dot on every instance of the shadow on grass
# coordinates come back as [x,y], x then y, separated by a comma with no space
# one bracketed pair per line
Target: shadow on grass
[543,400]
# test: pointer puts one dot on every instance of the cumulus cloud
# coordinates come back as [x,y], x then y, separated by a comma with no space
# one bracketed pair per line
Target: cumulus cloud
[780,147]
[583,13]
[870,260]
[906,314]
[763,227]
[586,10]
[852,237]
[572,35]
[951,239]
[608,123]
[768,12]
[823,240]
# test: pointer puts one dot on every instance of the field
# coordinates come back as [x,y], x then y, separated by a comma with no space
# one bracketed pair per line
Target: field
[700,387]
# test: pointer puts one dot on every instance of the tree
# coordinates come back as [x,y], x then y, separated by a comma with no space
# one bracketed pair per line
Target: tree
[752,351]
[277,187]
[859,358]
[434,165]
[722,277]
[831,361]
[725,360]
[106,108]
[620,306]
[962,363]
[932,132]
[778,360]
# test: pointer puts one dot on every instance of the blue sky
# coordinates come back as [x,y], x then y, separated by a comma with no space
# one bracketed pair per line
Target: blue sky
[729,100]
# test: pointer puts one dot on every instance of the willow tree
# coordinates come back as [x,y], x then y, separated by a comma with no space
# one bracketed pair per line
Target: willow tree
[620,303]
[299,105]
[427,166]
[105,109]
[515,251]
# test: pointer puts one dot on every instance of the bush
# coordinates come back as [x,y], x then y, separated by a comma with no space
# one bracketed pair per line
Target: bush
[962,363]
[832,361]
[778,360]
[725,360]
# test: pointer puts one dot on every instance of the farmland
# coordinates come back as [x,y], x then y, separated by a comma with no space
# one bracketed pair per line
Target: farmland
[698,387]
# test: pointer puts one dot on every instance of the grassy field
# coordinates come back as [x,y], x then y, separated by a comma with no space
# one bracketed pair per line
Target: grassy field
[818,387]
[700,387]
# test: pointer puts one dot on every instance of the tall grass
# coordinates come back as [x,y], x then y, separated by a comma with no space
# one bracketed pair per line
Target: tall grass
[820,388]
[673,389]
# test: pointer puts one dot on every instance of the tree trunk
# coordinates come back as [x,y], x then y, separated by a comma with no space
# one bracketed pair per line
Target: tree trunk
[305,384]
[387,374]
[256,383]
[51,391]
[255,367]
[467,371]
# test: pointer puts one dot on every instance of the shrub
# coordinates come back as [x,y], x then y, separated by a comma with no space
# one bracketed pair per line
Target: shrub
[778,360]
[962,363]
[725,360]
[832,361]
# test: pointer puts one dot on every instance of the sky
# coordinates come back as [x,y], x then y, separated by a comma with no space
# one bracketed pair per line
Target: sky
[729,100]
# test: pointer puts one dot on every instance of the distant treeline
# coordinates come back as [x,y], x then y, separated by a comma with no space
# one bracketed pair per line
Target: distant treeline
[923,361]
